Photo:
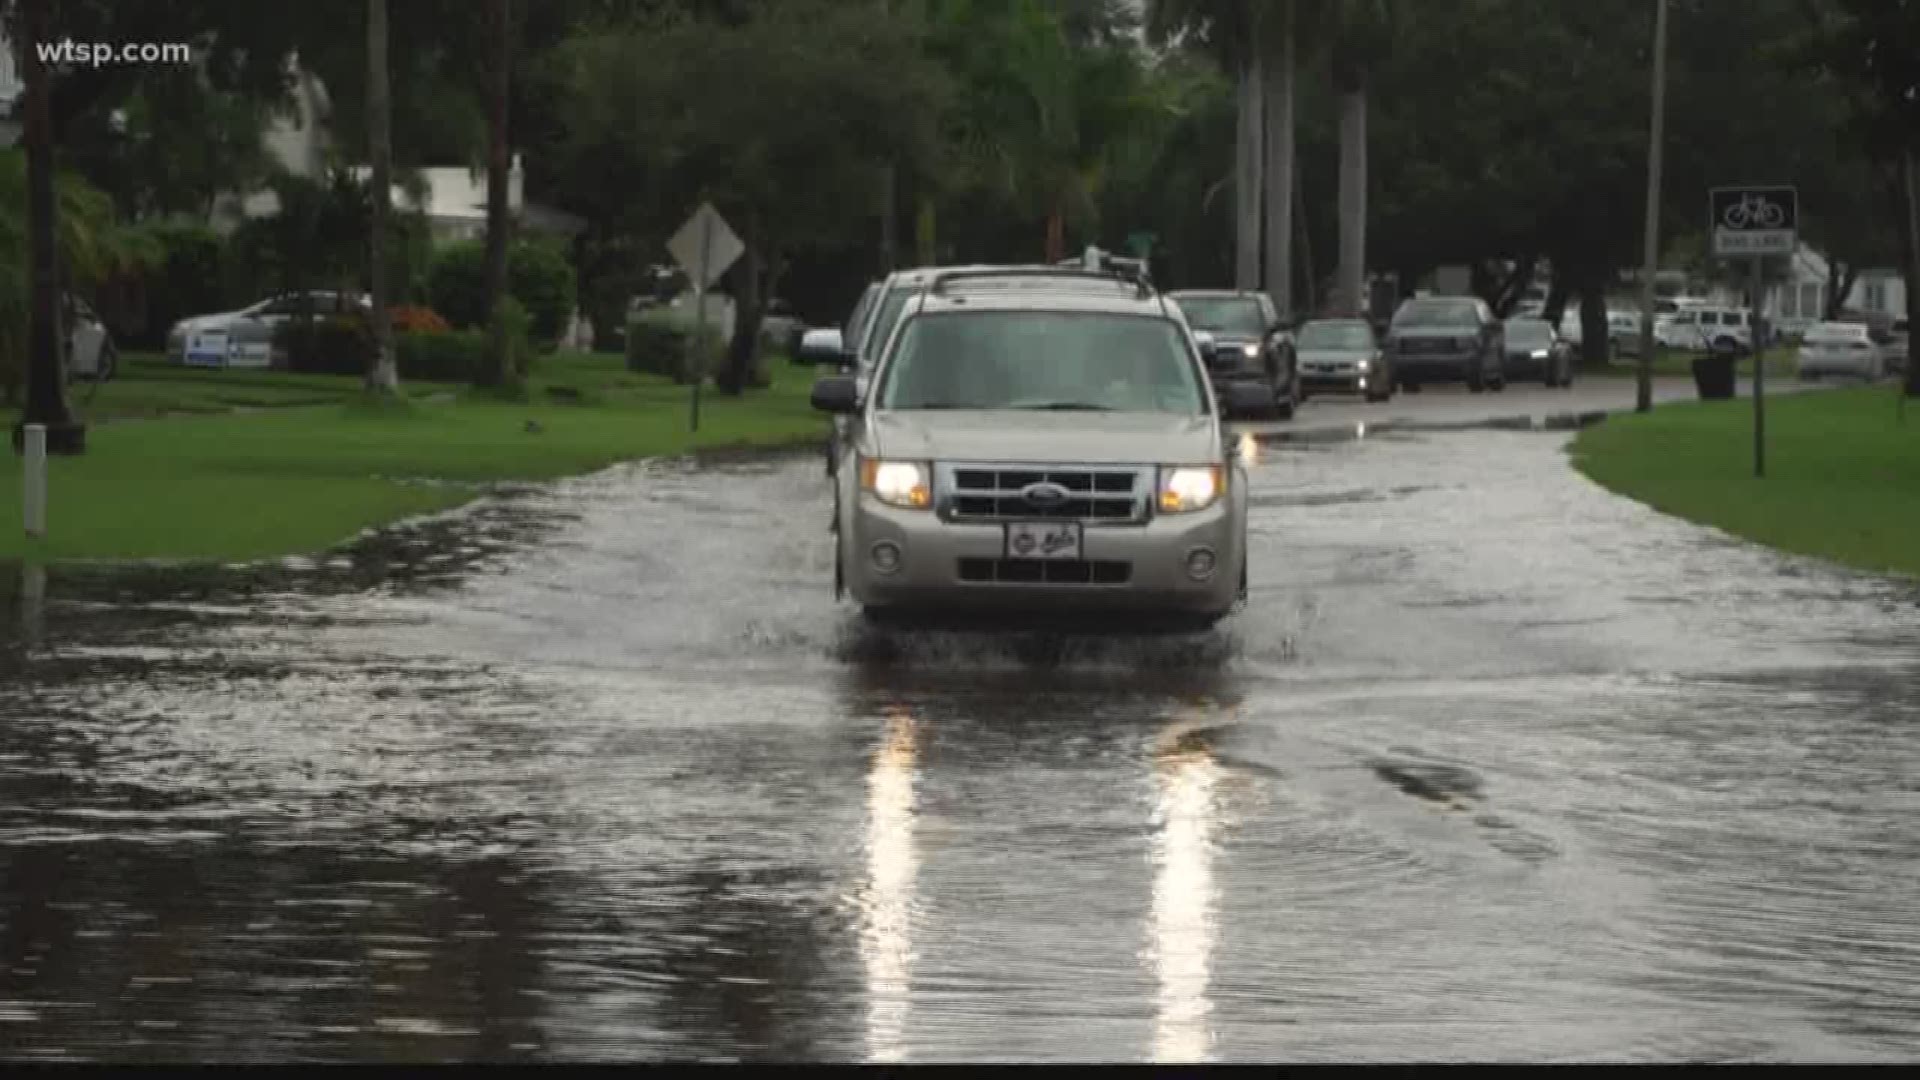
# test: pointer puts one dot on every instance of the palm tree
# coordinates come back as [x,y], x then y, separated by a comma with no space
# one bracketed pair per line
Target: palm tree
[1227,30]
[383,377]
[500,27]
[1360,32]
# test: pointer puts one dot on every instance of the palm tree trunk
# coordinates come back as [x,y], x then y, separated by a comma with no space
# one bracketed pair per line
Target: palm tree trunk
[1309,276]
[46,384]
[500,359]
[1247,187]
[1056,234]
[1280,171]
[923,233]
[1352,274]
[1910,167]
[384,375]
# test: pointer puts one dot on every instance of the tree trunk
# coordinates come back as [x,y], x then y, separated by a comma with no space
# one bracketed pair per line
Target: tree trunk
[1594,342]
[744,347]
[889,214]
[1280,170]
[1308,275]
[383,377]
[1247,187]
[923,233]
[1056,234]
[46,371]
[1515,286]
[1910,167]
[1353,198]
[500,351]
[1840,281]
[1557,298]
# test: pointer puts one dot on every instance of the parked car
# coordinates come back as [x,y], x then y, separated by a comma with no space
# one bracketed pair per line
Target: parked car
[1706,328]
[1343,355]
[1249,344]
[1030,451]
[780,327]
[245,337]
[1623,332]
[1838,348]
[91,354]
[1446,339]
[1535,350]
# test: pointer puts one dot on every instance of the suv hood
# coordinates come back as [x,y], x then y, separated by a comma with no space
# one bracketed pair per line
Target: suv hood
[1076,438]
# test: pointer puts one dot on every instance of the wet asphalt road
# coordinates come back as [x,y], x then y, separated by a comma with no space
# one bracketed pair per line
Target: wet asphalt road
[1495,766]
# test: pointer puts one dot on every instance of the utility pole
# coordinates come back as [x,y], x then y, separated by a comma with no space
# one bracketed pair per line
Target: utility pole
[1656,135]
[46,382]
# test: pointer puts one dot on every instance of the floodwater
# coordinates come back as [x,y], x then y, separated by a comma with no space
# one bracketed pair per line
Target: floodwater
[1495,766]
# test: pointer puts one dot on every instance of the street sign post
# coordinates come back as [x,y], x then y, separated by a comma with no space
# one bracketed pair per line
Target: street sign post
[1753,221]
[704,247]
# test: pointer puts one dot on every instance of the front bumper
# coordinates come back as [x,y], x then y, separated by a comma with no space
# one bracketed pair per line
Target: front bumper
[941,563]
[1435,366]
[1521,365]
[1340,377]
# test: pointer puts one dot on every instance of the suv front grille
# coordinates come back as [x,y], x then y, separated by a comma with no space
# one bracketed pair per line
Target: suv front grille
[996,493]
[1045,571]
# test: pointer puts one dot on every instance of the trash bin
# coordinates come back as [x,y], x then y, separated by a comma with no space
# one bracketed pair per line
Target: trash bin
[1713,376]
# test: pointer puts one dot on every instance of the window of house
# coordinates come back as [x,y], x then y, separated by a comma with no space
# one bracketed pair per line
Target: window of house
[1811,302]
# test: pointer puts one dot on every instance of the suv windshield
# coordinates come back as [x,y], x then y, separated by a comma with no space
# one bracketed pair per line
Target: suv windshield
[1067,361]
[1437,313]
[1529,333]
[1232,314]
[1354,336]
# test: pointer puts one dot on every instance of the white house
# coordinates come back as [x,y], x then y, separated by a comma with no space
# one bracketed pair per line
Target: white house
[1800,301]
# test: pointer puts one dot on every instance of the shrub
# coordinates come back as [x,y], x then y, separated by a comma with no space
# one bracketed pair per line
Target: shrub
[414,319]
[334,345]
[443,356]
[538,276]
[188,281]
[657,346]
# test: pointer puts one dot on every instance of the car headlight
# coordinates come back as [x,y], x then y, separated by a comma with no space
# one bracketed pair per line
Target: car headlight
[1251,352]
[897,483]
[1363,366]
[1187,488]
[1539,354]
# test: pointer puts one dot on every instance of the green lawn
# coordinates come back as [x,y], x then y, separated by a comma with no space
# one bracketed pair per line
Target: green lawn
[300,479]
[1843,475]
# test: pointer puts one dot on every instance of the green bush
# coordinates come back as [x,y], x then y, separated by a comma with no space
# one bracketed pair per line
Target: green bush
[657,346]
[190,280]
[334,345]
[444,356]
[538,276]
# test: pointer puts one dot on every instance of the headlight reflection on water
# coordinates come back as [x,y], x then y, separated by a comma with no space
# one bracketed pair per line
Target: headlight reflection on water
[886,941]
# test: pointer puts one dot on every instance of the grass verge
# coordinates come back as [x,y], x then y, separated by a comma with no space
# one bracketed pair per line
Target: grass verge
[1677,363]
[1842,483]
[300,479]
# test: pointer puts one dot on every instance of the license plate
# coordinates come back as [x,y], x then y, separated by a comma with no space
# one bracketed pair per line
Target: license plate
[1043,540]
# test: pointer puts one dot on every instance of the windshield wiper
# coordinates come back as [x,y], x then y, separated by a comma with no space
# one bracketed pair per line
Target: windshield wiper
[1067,406]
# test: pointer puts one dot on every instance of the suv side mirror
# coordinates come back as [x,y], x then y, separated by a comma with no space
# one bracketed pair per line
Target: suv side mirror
[837,394]
[822,347]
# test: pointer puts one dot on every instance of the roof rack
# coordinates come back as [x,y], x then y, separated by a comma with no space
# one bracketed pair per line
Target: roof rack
[1065,273]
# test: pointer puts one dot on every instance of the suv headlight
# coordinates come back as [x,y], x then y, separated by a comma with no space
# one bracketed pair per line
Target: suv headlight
[1186,488]
[897,483]
[1251,352]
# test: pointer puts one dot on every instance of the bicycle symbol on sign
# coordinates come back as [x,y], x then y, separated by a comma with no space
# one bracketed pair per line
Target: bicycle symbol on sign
[1755,211]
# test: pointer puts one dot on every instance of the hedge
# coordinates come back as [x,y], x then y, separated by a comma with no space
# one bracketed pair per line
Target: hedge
[538,276]
[343,346]
[658,347]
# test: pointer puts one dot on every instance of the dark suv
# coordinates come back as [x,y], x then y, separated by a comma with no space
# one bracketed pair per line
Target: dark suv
[1446,339]
[1248,343]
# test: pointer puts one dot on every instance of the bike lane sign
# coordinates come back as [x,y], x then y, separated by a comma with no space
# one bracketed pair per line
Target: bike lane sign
[1754,219]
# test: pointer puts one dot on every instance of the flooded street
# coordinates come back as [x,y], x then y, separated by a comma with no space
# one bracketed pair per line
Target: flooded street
[1495,766]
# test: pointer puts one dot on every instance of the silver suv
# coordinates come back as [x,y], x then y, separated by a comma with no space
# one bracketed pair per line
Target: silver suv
[1038,441]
